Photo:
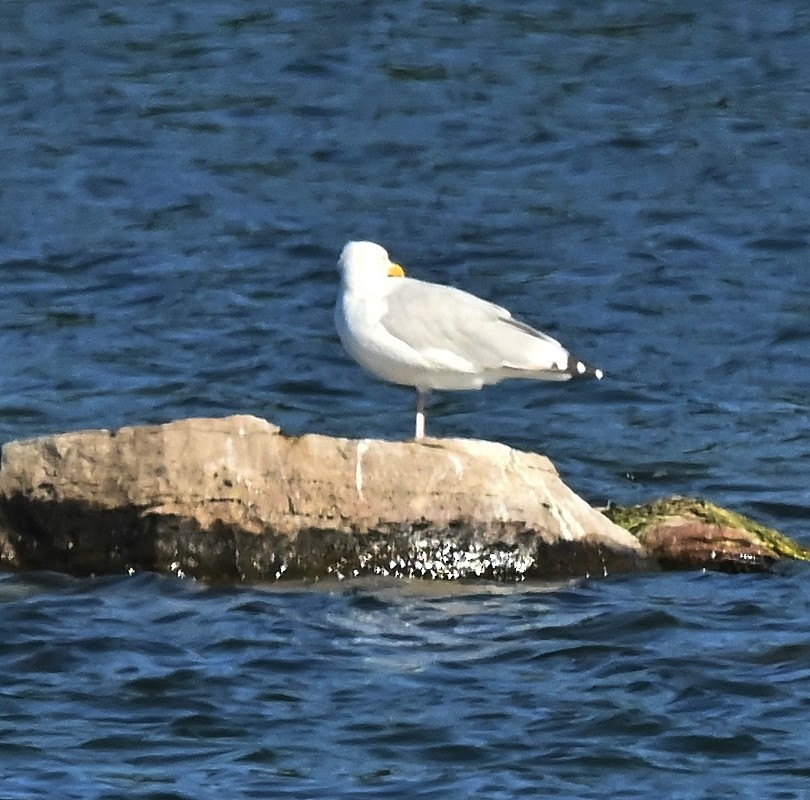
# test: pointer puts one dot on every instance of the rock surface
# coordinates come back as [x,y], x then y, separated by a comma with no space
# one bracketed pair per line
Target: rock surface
[233,498]
[688,533]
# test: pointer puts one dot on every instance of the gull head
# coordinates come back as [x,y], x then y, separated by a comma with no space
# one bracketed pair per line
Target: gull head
[366,264]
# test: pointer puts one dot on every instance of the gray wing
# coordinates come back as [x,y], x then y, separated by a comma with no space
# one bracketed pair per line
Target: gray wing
[429,316]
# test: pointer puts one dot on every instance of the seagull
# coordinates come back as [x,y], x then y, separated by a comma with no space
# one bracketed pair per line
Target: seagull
[430,336]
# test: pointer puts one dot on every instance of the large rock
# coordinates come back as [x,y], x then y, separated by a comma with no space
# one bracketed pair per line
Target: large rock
[236,499]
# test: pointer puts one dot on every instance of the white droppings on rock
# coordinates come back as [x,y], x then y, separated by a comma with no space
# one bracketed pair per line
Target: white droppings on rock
[362,449]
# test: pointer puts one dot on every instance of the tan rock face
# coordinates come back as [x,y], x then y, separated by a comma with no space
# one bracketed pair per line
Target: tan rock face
[234,498]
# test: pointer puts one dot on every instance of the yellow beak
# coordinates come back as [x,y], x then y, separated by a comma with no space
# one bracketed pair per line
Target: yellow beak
[395,271]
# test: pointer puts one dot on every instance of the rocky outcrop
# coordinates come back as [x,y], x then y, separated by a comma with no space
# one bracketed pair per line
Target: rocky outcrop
[688,533]
[234,498]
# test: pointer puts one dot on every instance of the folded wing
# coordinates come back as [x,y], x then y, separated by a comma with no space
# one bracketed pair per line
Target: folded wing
[434,319]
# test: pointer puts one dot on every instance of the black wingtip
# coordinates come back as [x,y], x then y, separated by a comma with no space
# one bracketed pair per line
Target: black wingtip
[579,369]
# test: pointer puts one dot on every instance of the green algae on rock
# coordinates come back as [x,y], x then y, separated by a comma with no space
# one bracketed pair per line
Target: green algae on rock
[687,533]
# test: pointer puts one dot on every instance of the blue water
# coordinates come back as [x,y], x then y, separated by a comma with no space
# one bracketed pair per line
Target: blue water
[680,686]
[177,180]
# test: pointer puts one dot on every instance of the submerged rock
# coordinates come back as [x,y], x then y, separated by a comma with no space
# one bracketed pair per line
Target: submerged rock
[686,533]
[234,498]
